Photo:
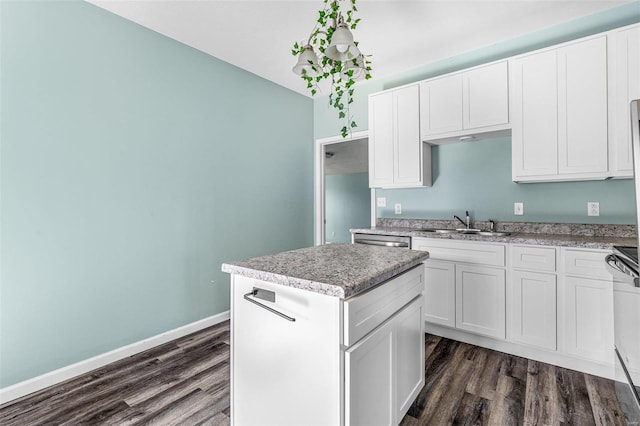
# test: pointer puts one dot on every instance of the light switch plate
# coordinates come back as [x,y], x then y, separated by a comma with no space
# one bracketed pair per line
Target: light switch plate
[593,208]
[398,208]
[381,201]
[518,209]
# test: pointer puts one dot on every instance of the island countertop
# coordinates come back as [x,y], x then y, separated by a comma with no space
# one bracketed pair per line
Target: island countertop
[340,270]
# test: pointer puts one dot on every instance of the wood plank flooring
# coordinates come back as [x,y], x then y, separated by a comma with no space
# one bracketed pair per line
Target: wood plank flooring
[186,382]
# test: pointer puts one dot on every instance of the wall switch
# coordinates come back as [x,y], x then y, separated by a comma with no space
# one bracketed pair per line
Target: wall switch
[398,208]
[381,201]
[518,209]
[593,208]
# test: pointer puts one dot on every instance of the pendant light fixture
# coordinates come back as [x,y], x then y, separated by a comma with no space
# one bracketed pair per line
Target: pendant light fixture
[340,60]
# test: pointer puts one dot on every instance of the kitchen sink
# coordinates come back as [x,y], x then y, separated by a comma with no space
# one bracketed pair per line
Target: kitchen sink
[467,231]
[495,233]
[440,231]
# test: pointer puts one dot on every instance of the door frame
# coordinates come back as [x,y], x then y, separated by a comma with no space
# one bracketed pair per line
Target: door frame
[319,199]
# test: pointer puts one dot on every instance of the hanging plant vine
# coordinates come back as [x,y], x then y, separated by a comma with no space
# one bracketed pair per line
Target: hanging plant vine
[342,74]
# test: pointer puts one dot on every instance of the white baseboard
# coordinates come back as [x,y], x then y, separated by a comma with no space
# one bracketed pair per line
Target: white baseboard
[35,384]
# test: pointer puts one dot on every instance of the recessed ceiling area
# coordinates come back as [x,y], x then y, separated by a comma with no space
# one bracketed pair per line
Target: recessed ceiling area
[257,36]
[346,157]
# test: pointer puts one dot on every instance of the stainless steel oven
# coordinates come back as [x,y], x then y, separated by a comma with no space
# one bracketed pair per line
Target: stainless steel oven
[623,264]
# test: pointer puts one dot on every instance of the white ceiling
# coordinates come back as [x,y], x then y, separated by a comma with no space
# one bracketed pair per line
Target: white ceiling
[258,35]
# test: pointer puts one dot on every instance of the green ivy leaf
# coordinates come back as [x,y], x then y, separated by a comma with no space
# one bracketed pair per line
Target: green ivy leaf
[342,114]
[313,92]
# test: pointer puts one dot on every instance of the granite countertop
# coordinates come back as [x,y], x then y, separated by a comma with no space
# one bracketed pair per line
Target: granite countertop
[561,240]
[340,270]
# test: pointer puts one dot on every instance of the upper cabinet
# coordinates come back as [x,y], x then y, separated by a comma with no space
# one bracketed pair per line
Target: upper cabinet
[559,113]
[624,86]
[465,103]
[397,157]
[566,106]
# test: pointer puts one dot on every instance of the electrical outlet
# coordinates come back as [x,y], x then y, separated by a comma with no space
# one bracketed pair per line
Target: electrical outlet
[518,209]
[381,201]
[593,208]
[398,208]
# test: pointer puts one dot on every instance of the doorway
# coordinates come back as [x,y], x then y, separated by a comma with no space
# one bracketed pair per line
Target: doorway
[343,198]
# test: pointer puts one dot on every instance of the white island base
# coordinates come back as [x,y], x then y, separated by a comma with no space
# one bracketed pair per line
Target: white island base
[356,361]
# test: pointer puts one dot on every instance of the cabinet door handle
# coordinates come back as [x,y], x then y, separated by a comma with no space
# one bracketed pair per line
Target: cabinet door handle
[255,292]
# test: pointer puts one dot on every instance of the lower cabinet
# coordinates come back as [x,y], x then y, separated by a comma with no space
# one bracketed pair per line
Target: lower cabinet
[553,304]
[385,371]
[480,300]
[355,361]
[534,309]
[589,315]
[588,292]
[440,286]
[460,292]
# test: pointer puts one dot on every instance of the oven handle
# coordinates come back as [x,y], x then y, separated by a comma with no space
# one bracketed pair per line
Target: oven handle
[382,243]
[620,270]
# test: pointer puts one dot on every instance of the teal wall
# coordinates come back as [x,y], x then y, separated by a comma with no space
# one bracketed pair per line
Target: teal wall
[347,205]
[477,176]
[131,167]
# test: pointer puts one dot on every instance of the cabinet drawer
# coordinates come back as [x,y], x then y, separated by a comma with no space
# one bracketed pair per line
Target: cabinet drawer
[366,311]
[462,251]
[588,264]
[534,258]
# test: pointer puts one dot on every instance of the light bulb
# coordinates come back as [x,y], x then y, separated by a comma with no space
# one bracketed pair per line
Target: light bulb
[342,47]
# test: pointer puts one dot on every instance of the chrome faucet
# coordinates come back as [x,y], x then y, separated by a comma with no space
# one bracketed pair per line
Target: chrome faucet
[467,224]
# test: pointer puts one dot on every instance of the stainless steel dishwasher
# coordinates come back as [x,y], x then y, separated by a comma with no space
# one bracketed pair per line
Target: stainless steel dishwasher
[382,240]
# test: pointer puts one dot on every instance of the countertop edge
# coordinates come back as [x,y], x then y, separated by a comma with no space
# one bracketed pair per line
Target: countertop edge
[320,287]
[591,242]
[301,283]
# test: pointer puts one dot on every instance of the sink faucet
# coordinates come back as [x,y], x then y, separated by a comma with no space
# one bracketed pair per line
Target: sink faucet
[467,224]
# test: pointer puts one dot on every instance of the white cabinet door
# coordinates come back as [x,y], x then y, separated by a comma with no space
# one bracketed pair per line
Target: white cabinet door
[559,113]
[589,318]
[462,102]
[534,115]
[625,87]
[397,157]
[480,300]
[533,301]
[384,372]
[441,105]
[440,293]
[381,140]
[582,108]
[485,96]
[409,359]
[408,148]
[369,377]
[274,377]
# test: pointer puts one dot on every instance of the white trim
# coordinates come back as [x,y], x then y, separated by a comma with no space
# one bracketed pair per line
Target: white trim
[35,384]
[319,235]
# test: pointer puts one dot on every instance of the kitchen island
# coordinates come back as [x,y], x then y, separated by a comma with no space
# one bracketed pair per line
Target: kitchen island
[330,334]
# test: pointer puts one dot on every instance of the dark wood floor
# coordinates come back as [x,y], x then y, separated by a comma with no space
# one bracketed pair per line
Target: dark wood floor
[186,382]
